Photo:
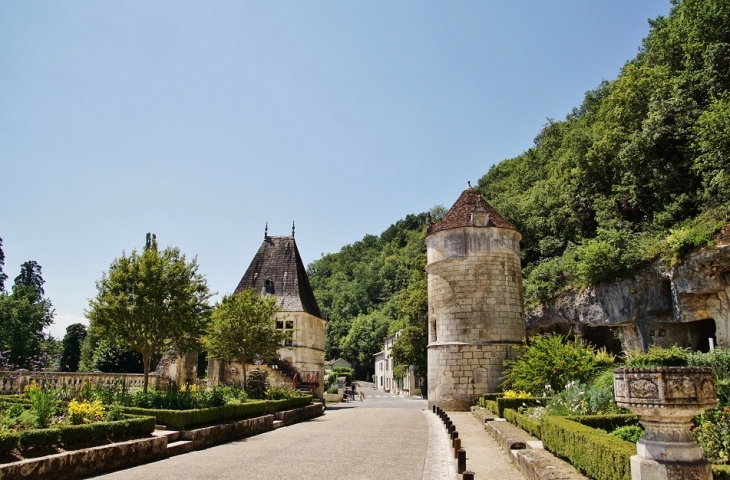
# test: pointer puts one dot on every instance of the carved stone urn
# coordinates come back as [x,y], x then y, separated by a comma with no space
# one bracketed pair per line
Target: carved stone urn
[666,398]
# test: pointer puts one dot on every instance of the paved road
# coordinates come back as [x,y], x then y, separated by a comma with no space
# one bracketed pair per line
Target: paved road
[383,437]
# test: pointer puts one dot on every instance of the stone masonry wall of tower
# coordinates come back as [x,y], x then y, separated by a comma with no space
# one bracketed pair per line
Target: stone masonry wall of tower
[475,311]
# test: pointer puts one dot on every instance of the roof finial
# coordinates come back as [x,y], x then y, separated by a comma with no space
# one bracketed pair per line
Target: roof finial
[292,229]
[468,183]
[266,231]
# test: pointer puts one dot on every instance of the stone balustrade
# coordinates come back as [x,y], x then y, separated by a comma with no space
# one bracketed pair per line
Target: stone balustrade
[15,381]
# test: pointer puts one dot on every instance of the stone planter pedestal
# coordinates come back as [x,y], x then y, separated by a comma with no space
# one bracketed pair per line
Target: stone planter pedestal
[667,398]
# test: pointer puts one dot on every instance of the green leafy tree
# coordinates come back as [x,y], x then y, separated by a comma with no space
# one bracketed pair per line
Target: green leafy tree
[552,362]
[72,342]
[24,314]
[243,328]
[150,302]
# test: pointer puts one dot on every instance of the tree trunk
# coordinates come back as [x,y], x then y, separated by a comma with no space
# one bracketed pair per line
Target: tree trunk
[244,375]
[146,357]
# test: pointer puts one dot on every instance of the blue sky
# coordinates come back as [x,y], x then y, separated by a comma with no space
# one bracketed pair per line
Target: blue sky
[202,121]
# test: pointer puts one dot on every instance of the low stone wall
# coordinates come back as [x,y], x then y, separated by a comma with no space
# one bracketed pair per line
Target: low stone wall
[226,432]
[289,417]
[89,461]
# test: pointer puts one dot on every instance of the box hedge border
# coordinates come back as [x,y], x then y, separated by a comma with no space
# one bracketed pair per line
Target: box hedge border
[598,455]
[609,423]
[516,403]
[72,434]
[181,419]
[530,425]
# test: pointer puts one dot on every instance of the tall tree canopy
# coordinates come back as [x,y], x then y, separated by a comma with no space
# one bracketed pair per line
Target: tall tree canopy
[24,313]
[150,302]
[243,328]
[72,341]
[361,289]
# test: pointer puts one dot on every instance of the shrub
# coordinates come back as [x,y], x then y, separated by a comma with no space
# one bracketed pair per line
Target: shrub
[514,394]
[580,399]
[517,403]
[551,362]
[598,455]
[44,437]
[525,422]
[8,441]
[348,373]
[608,423]
[712,432]
[85,411]
[630,433]
[657,357]
[43,401]
[257,384]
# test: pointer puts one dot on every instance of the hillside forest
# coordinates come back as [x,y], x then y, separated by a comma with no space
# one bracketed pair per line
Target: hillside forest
[639,171]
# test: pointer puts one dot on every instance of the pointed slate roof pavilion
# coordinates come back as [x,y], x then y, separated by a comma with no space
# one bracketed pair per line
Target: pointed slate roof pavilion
[462,213]
[277,269]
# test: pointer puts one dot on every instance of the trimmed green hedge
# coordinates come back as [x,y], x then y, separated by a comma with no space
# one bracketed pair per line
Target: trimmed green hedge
[721,472]
[70,434]
[516,403]
[181,419]
[530,425]
[609,423]
[491,405]
[600,456]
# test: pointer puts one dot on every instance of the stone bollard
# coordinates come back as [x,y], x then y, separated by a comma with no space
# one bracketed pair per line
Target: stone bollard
[461,461]
[457,447]
[468,475]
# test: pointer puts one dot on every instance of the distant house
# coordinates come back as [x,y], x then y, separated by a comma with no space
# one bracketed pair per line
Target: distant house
[410,385]
[277,271]
[340,362]
[379,370]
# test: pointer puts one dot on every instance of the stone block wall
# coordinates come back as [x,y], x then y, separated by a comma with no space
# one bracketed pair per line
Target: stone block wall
[475,311]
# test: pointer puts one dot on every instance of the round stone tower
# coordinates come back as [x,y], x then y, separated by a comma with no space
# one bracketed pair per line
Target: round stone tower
[474,301]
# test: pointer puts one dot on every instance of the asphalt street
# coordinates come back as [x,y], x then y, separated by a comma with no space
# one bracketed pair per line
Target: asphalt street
[385,436]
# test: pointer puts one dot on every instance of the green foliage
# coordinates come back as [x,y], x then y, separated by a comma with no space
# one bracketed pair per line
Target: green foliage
[525,422]
[517,403]
[400,372]
[598,455]
[368,286]
[346,372]
[657,356]
[180,419]
[630,433]
[151,302]
[258,384]
[243,328]
[72,341]
[599,191]
[45,437]
[24,314]
[712,432]
[580,399]
[607,423]
[43,401]
[8,441]
[551,362]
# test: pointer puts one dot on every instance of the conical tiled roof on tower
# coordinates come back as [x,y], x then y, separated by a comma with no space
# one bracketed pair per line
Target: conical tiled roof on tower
[277,269]
[460,214]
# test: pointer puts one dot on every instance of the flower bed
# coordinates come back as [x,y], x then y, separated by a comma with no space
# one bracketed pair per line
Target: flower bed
[74,434]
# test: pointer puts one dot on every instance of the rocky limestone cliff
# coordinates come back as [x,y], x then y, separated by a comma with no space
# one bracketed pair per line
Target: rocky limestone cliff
[684,304]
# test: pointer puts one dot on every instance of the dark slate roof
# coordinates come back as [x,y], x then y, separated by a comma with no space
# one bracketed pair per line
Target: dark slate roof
[460,213]
[278,260]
